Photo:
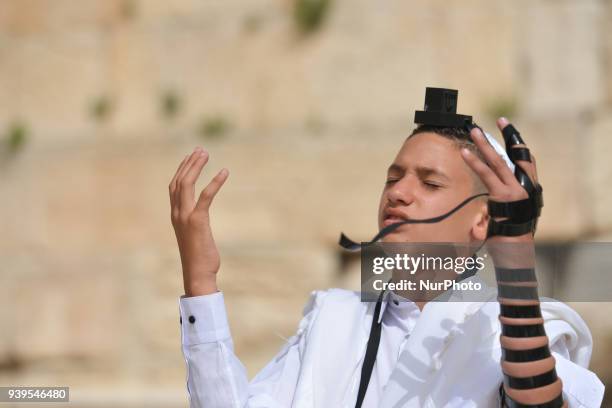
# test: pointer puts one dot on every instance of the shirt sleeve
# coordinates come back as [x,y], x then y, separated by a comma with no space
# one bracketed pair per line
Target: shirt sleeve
[215,375]
[571,345]
[581,387]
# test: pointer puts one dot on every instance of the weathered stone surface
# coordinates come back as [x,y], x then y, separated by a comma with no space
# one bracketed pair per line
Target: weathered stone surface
[561,56]
[90,267]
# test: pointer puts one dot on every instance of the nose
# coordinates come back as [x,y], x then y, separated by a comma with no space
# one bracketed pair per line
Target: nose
[402,191]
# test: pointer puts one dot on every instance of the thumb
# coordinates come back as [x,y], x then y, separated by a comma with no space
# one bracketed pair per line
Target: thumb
[208,194]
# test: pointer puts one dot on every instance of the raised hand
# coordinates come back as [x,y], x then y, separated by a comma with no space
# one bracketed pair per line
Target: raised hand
[191,221]
[515,200]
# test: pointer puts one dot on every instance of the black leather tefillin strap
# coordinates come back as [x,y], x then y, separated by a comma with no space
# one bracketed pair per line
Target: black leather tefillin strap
[521,218]
[525,356]
[526,330]
[371,351]
[522,215]
[515,275]
[351,245]
[526,383]
[520,311]
[518,292]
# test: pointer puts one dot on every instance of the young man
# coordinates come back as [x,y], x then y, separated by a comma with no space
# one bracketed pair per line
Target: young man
[399,352]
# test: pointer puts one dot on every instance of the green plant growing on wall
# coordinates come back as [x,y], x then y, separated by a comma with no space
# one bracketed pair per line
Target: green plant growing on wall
[315,125]
[101,108]
[171,104]
[252,23]
[128,9]
[309,15]
[16,137]
[502,106]
[214,127]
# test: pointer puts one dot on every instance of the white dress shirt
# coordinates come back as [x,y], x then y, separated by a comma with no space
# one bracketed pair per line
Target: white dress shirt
[446,355]
[398,317]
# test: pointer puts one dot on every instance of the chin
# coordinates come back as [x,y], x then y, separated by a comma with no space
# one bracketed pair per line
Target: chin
[395,238]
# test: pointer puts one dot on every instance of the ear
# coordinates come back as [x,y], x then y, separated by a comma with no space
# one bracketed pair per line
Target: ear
[480,222]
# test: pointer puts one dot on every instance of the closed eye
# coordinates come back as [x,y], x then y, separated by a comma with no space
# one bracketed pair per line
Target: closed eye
[432,186]
[429,185]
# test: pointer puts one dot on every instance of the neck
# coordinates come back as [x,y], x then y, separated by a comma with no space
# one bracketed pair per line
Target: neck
[417,293]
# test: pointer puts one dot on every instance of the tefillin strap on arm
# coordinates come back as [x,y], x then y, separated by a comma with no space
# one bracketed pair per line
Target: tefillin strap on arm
[521,218]
[522,215]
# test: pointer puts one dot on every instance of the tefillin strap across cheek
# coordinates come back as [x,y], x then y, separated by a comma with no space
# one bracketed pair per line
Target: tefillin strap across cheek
[521,216]
[351,245]
[440,111]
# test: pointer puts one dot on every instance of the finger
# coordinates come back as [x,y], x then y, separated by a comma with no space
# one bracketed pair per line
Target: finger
[192,156]
[208,194]
[488,177]
[495,161]
[182,172]
[535,168]
[514,140]
[172,185]
[512,136]
[188,181]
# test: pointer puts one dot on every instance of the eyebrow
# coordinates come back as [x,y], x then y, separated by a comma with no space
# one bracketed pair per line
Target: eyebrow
[422,171]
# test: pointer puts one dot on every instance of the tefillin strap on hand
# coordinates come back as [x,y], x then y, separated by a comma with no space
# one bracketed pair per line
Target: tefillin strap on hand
[441,111]
[522,215]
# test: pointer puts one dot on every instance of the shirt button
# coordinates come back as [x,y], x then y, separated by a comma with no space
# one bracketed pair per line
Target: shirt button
[191,319]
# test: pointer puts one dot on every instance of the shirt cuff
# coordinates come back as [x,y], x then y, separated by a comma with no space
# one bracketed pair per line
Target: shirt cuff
[203,319]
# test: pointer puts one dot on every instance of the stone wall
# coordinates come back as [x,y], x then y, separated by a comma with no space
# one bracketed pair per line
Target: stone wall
[111,94]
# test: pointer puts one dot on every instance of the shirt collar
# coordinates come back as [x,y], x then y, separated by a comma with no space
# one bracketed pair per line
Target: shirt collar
[390,296]
[448,296]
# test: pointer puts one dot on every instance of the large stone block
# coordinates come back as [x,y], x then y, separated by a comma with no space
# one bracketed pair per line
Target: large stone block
[596,142]
[557,146]
[50,83]
[560,57]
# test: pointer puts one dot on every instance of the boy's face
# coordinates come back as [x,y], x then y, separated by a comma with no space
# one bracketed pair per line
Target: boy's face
[428,178]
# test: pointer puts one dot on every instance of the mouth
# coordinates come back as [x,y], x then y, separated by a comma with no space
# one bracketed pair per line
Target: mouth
[392,220]
[392,216]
